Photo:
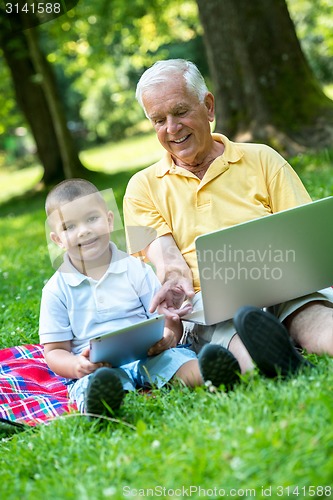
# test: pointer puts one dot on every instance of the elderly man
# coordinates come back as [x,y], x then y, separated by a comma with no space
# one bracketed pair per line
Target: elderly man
[205,182]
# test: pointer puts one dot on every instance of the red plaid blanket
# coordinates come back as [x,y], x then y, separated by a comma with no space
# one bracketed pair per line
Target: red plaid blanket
[29,391]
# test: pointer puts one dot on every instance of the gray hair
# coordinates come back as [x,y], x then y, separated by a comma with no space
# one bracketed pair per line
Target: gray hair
[163,71]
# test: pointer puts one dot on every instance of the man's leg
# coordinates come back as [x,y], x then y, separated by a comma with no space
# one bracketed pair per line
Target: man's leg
[311,327]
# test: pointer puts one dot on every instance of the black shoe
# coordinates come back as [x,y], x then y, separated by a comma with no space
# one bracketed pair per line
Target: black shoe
[218,365]
[268,342]
[9,427]
[105,392]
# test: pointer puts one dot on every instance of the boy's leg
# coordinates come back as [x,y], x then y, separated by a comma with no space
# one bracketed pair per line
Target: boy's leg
[105,384]
[190,373]
[223,334]
[215,364]
[104,393]
[160,369]
[238,349]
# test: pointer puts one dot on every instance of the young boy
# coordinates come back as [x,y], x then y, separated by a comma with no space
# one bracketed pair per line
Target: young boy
[97,289]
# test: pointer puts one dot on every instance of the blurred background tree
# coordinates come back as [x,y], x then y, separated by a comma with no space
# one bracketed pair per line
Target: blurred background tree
[264,87]
[36,92]
[98,50]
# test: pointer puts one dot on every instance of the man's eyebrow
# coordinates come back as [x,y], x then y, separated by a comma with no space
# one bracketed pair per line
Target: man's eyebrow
[155,116]
[178,107]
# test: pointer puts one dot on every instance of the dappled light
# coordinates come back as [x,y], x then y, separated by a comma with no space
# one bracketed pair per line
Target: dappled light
[86,63]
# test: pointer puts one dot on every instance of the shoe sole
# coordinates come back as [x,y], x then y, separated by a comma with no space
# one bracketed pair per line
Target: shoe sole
[105,392]
[219,366]
[268,343]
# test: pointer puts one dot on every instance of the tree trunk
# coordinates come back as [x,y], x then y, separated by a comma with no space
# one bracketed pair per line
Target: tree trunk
[35,91]
[71,164]
[264,88]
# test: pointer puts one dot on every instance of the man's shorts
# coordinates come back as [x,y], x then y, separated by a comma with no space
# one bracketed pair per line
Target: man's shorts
[222,333]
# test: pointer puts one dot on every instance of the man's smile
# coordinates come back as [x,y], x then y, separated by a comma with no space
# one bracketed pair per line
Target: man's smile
[182,139]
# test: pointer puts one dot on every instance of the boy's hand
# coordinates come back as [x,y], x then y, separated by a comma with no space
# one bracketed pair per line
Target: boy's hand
[173,332]
[84,366]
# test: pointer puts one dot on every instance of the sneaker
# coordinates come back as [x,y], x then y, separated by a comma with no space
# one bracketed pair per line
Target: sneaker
[219,366]
[268,342]
[105,392]
[9,427]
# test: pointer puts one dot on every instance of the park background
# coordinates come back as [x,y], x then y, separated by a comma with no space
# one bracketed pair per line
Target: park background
[67,109]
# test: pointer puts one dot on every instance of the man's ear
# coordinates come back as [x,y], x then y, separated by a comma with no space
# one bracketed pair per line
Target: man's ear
[210,106]
[55,238]
[110,220]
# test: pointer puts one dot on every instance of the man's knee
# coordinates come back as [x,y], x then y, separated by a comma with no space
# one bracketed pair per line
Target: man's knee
[311,326]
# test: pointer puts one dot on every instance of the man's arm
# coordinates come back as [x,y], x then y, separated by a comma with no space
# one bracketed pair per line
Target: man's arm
[60,359]
[174,274]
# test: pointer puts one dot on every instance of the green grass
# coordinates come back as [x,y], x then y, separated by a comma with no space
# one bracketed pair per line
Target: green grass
[14,182]
[316,172]
[125,155]
[264,434]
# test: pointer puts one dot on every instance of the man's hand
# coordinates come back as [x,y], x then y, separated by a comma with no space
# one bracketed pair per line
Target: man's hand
[175,276]
[170,298]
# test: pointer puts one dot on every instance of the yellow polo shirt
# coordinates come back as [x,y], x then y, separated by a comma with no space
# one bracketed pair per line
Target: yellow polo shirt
[246,182]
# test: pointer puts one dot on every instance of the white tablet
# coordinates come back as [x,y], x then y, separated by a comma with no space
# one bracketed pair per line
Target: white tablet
[127,344]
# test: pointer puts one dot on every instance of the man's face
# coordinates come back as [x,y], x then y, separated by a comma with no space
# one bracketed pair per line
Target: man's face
[82,227]
[181,122]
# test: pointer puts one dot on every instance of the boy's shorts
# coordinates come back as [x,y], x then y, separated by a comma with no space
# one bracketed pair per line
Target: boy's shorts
[222,333]
[152,371]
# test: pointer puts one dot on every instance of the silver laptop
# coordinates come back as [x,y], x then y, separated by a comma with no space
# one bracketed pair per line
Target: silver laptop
[127,344]
[265,261]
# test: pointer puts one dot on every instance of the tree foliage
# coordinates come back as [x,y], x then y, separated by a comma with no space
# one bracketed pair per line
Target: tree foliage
[314,26]
[99,49]
[264,88]
[36,91]
[104,46]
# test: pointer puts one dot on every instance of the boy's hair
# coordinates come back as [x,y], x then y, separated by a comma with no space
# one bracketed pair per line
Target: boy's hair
[67,191]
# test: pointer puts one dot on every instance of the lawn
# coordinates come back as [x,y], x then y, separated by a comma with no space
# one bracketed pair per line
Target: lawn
[267,438]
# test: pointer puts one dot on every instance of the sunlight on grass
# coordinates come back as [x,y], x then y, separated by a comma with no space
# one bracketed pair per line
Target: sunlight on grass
[131,153]
[15,182]
[140,151]
[125,155]
[328,90]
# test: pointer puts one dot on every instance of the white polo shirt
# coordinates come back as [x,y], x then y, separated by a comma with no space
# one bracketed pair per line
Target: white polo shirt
[77,308]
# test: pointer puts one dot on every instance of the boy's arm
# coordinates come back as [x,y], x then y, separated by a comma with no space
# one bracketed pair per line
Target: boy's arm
[60,359]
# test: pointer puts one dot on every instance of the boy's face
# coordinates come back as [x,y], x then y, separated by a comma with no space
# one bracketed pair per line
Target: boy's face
[82,227]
